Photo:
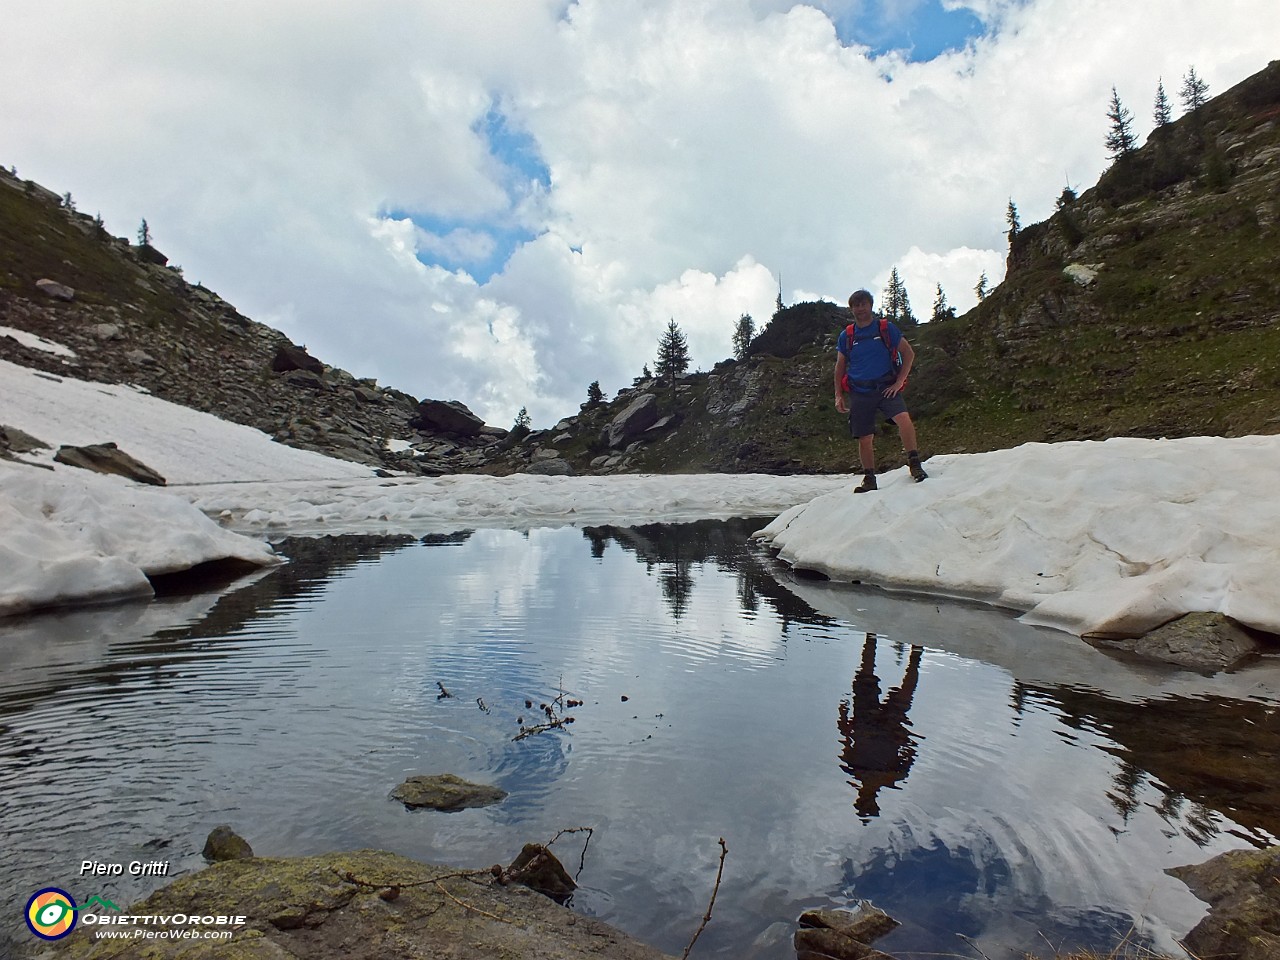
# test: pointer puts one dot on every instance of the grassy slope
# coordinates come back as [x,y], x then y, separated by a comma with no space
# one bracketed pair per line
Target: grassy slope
[1178,335]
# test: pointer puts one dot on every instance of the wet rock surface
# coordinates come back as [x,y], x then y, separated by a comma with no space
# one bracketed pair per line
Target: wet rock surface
[445,791]
[362,905]
[842,934]
[1198,641]
[539,869]
[223,843]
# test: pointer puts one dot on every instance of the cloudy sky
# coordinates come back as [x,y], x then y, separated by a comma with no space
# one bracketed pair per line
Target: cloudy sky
[500,201]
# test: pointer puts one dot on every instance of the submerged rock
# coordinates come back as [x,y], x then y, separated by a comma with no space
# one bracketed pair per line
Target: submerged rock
[1198,641]
[843,934]
[445,791]
[863,922]
[1242,888]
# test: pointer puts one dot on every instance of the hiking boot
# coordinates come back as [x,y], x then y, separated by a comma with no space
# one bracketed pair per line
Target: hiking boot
[917,471]
[868,483]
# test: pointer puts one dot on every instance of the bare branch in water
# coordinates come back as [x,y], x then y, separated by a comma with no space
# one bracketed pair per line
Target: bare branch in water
[706,918]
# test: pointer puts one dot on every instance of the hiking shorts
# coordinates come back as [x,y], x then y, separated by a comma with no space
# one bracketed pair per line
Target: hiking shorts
[863,408]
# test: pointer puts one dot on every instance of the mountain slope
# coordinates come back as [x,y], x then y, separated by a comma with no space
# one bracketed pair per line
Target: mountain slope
[128,317]
[1148,306]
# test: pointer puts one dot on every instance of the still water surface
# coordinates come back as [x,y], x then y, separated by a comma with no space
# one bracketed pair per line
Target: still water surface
[972,776]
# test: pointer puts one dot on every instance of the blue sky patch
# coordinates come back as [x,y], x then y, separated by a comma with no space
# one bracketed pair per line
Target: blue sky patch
[921,31]
[482,247]
[514,148]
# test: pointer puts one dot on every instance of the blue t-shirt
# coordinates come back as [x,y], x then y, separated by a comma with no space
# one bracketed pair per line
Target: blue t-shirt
[867,359]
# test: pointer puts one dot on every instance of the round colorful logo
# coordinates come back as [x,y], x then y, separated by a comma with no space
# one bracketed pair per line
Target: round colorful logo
[51,913]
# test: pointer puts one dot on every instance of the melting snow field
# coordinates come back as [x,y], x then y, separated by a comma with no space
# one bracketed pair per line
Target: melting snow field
[1115,535]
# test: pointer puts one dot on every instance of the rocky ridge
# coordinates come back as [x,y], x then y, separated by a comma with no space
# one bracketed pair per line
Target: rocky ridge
[126,316]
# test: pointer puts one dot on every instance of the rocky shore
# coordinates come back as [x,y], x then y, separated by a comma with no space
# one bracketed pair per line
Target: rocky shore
[374,905]
[358,905]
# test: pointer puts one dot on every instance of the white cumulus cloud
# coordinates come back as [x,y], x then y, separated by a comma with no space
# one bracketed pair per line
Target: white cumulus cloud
[501,201]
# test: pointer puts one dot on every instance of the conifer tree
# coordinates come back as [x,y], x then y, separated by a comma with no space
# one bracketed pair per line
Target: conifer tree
[523,421]
[941,311]
[981,288]
[1011,218]
[68,201]
[1194,91]
[144,234]
[595,396]
[673,353]
[897,305]
[742,334]
[1161,112]
[1121,140]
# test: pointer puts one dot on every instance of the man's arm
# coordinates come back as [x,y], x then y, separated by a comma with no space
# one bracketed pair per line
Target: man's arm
[908,358]
[842,404]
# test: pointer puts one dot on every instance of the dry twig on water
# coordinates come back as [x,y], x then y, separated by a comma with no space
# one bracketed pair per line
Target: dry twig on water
[976,948]
[582,861]
[553,712]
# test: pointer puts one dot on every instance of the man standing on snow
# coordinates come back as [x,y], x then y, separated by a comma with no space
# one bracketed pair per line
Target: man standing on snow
[869,381]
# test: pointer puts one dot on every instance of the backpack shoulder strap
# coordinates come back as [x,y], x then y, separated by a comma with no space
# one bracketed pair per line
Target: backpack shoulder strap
[895,356]
[888,342]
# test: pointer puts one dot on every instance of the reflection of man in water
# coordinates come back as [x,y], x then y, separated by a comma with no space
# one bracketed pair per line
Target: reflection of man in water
[878,746]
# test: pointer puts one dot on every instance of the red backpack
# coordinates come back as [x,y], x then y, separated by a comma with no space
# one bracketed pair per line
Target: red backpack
[894,355]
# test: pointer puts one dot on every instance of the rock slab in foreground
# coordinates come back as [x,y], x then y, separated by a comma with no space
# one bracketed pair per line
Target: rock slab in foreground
[445,791]
[335,907]
[1242,888]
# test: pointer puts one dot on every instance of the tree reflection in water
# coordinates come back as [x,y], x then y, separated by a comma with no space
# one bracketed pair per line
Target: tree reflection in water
[676,551]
